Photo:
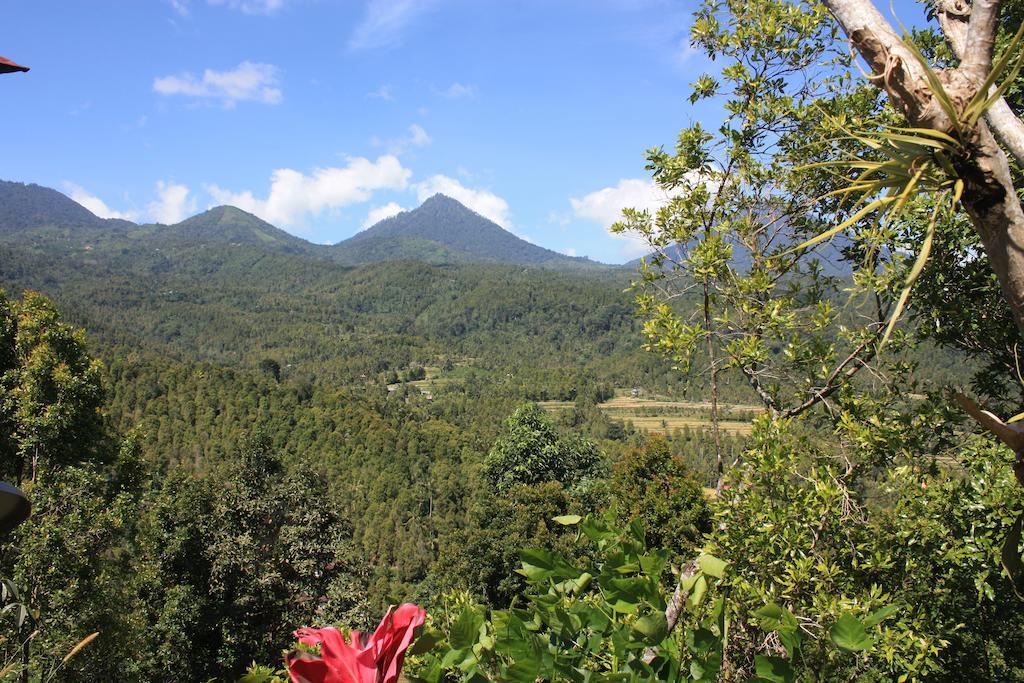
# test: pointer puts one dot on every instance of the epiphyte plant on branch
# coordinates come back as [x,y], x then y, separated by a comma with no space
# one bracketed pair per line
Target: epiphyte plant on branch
[955,145]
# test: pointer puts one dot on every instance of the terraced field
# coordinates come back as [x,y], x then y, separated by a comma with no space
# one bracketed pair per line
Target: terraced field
[661,415]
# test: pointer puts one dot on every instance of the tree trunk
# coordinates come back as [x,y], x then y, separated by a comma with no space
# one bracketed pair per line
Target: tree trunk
[989,196]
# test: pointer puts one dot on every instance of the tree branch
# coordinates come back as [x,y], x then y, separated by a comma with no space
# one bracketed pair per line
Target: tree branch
[675,605]
[896,69]
[981,39]
[840,373]
[953,16]
[1011,434]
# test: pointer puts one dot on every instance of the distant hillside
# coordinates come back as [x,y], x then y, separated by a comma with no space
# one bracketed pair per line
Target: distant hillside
[234,226]
[828,253]
[441,231]
[24,207]
[442,228]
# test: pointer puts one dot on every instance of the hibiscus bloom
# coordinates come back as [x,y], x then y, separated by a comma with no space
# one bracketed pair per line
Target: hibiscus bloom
[365,658]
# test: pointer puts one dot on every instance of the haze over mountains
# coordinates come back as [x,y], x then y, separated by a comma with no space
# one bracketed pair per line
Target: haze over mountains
[441,230]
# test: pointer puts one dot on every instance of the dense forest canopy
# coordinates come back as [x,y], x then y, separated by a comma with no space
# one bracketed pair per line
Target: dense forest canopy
[725,462]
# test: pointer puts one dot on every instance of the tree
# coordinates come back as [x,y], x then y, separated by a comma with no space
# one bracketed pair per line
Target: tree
[67,558]
[725,288]
[656,488]
[234,562]
[803,502]
[50,392]
[531,452]
[951,102]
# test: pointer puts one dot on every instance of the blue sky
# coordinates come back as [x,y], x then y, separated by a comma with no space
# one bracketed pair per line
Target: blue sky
[322,116]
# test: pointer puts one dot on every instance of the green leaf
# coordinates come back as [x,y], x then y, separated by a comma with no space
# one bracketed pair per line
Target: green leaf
[537,564]
[466,629]
[712,566]
[425,642]
[567,520]
[773,669]
[653,628]
[773,617]
[849,634]
[700,589]
[704,641]
[922,259]
[880,615]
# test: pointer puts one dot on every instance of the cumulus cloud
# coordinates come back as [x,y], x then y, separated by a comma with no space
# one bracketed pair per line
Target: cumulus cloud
[294,196]
[605,206]
[458,91]
[487,204]
[379,213]
[385,22]
[248,81]
[172,204]
[97,205]
[569,251]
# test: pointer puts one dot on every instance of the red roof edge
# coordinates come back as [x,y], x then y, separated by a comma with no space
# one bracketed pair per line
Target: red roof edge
[7,66]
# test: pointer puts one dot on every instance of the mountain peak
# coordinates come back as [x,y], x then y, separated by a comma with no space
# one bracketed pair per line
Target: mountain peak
[445,230]
[439,199]
[26,206]
[230,224]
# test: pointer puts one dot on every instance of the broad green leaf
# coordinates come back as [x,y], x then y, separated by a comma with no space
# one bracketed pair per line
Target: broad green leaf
[704,641]
[773,669]
[567,520]
[880,615]
[849,634]
[426,641]
[466,629]
[773,617]
[652,627]
[712,566]
[700,589]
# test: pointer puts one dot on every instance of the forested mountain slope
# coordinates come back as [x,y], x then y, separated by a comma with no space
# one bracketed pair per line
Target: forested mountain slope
[442,229]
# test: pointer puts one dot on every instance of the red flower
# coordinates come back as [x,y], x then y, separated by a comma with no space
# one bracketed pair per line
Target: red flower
[375,658]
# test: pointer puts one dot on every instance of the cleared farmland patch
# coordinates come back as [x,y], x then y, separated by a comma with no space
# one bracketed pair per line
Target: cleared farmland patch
[663,415]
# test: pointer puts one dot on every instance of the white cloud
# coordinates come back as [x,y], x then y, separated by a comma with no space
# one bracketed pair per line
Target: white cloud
[487,204]
[417,137]
[382,93]
[379,213]
[179,6]
[251,6]
[458,91]
[559,218]
[97,205]
[569,251]
[385,22]
[245,6]
[605,206]
[172,205]
[247,81]
[294,196]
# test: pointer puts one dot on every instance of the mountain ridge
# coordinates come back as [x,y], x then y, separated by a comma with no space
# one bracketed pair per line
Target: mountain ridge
[441,230]
[457,230]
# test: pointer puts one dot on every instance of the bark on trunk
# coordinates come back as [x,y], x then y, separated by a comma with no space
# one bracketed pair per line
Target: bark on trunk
[989,196]
[992,203]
